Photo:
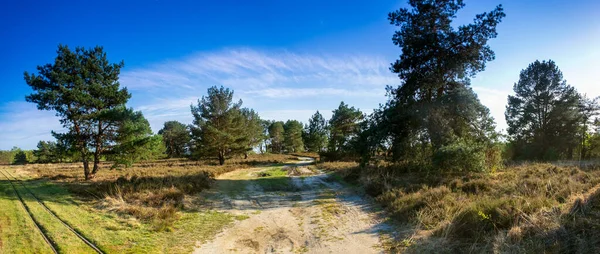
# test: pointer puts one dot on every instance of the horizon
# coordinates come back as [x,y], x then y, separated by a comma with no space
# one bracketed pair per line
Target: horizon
[301,62]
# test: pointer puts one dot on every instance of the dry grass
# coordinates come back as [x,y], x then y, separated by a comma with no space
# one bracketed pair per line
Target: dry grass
[531,208]
[152,192]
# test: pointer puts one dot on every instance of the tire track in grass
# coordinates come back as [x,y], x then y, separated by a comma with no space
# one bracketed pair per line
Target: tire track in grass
[35,222]
[81,237]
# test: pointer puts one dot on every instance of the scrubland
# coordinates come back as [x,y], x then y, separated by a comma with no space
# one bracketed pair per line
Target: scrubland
[528,208]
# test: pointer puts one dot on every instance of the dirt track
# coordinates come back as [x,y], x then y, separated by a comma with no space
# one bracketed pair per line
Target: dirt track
[309,214]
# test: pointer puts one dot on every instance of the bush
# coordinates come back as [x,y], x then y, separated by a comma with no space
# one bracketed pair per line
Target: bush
[460,156]
[20,158]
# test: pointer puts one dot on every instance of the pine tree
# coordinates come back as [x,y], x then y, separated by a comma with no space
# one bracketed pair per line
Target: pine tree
[293,137]
[276,135]
[434,116]
[343,126]
[82,87]
[218,127]
[254,131]
[135,140]
[543,116]
[176,137]
[46,152]
[316,133]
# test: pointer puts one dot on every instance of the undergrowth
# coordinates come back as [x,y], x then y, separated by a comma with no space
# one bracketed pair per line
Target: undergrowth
[531,208]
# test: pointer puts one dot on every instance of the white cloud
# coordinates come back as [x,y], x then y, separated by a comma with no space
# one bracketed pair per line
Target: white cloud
[278,84]
[23,125]
[251,69]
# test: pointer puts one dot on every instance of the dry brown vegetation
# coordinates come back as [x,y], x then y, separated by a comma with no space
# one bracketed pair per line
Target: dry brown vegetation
[532,208]
[153,191]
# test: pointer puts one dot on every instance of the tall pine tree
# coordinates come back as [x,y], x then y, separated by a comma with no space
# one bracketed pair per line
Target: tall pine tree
[219,125]
[82,87]
[543,116]
[316,133]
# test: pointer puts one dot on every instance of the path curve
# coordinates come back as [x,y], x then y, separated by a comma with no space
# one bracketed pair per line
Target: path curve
[312,215]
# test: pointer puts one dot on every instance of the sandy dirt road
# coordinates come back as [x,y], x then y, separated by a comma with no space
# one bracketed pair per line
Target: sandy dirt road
[293,209]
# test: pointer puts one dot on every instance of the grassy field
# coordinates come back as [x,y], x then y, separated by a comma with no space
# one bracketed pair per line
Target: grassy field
[157,207]
[535,208]
[149,208]
[17,231]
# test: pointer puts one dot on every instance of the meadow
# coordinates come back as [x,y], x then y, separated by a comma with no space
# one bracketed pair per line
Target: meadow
[148,208]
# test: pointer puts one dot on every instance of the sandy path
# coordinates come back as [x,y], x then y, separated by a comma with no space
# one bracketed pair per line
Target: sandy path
[315,215]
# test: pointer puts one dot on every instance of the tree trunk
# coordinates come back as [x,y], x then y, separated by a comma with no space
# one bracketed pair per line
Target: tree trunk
[86,169]
[96,162]
[570,153]
[221,158]
[245,155]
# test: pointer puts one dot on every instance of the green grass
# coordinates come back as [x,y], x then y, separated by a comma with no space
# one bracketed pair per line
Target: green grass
[17,231]
[66,241]
[152,207]
[275,179]
[120,234]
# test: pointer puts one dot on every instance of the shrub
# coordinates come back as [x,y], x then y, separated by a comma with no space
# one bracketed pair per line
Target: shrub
[20,158]
[460,156]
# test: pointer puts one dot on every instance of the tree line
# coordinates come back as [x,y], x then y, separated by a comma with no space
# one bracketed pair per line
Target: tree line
[82,87]
[431,121]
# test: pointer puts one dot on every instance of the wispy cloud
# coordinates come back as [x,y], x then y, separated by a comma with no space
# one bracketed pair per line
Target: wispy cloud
[253,70]
[279,85]
[272,82]
[23,125]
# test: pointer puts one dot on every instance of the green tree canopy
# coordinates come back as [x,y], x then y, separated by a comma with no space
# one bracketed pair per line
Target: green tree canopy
[276,136]
[20,157]
[46,152]
[344,125]
[434,116]
[293,136]
[543,116]
[316,133]
[588,134]
[218,127]
[135,140]
[176,137]
[435,55]
[82,87]
[254,131]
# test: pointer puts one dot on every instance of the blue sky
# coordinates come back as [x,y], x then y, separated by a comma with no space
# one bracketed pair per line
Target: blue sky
[285,59]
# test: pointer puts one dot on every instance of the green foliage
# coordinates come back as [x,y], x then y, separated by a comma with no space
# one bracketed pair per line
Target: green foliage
[344,126]
[276,136]
[293,136]
[82,87]
[315,133]
[176,137]
[135,141]
[460,156]
[8,157]
[254,132]
[20,158]
[219,125]
[589,138]
[434,118]
[544,115]
[435,55]
[266,139]
[47,152]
